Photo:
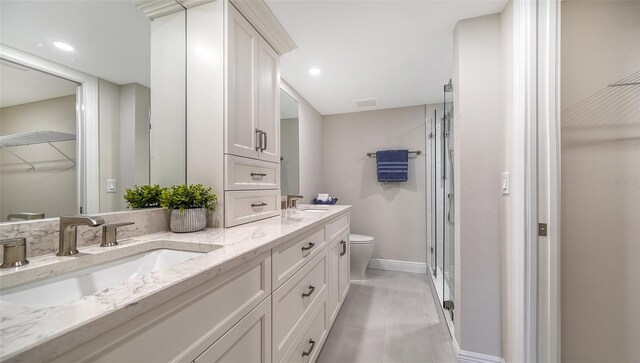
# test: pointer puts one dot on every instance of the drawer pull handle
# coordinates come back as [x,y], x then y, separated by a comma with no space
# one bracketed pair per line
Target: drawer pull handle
[258,204]
[310,292]
[308,352]
[259,174]
[310,246]
[344,248]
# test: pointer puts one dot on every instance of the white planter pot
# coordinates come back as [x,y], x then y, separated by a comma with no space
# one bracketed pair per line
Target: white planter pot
[188,220]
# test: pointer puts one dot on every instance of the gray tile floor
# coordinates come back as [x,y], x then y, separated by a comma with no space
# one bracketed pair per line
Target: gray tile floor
[389,318]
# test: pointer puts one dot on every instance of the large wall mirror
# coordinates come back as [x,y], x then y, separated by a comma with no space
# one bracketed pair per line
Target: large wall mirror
[92,101]
[289,145]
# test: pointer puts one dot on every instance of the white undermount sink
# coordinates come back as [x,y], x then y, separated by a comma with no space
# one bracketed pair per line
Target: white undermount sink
[314,209]
[74,285]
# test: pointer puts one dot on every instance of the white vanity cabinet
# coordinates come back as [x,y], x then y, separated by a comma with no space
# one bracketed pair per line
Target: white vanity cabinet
[275,307]
[253,85]
[248,341]
[182,329]
[310,278]
[339,268]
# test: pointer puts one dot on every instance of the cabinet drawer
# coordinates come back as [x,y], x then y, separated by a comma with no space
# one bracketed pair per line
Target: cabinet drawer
[292,302]
[248,341]
[248,206]
[182,328]
[290,256]
[337,226]
[308,344]
[244,173]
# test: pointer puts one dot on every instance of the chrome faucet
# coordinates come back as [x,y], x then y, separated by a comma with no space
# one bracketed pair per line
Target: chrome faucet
[292,200]
[69,232]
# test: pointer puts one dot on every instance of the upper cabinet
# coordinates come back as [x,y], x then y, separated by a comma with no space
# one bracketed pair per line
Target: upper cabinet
[233,106]
[269,101]
[253,82]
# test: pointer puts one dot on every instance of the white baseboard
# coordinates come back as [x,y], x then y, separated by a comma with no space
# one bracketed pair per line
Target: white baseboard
[402,266]
[471,357]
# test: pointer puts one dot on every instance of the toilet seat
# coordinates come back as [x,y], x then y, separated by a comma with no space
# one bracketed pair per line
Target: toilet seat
[356,239]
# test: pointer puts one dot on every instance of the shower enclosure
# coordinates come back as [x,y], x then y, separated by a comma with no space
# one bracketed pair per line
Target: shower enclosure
[440,201]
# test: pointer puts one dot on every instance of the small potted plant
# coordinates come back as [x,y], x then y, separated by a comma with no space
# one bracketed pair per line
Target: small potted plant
[143,196]
[189,205]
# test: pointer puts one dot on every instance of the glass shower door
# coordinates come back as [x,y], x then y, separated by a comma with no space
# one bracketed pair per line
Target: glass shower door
[448,201]
[440,198]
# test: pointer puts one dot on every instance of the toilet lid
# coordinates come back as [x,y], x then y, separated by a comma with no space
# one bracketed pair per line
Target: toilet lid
[360,238]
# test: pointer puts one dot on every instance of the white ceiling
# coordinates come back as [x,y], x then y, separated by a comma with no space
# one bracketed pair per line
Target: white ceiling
[24,85]
[401,51]
[111,38]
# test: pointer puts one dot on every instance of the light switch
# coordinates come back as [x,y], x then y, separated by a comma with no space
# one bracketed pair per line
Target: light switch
[505,183]
[111,185]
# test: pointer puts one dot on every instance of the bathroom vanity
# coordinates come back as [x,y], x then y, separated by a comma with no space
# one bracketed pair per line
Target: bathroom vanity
[266,291]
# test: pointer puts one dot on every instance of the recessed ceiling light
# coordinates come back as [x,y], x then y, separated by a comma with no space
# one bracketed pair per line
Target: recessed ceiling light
[314,71]
[63,46]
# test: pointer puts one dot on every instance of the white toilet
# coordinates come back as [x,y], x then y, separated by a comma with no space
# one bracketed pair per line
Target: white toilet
[361,252]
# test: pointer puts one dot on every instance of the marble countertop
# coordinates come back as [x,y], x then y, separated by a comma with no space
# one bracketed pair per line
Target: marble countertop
[37,334]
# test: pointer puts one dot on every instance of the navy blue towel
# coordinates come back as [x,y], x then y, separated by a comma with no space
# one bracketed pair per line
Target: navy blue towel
[393,165]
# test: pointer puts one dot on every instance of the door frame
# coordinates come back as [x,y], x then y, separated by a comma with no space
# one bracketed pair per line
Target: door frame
[548,299]
[533,261]
[87,124]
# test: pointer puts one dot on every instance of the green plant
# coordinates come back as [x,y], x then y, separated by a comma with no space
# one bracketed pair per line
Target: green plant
[187,197]
[143,196]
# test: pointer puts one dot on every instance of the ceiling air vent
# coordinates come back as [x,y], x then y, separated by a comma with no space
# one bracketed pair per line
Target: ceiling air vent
[366,102]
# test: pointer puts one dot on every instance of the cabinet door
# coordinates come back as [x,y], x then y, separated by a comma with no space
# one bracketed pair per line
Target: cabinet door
[269,101]
[248,342]
[344,272]
[333,296]
[242,86]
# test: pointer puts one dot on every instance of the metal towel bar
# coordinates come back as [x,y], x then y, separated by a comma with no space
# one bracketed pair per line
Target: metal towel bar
[417,152]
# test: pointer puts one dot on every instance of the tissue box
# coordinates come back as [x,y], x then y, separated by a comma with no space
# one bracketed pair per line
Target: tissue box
[331,201]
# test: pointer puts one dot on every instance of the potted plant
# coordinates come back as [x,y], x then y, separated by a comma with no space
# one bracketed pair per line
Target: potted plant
[143,196]
[188,205]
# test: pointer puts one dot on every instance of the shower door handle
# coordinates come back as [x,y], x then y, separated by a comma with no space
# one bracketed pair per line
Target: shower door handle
[443,154]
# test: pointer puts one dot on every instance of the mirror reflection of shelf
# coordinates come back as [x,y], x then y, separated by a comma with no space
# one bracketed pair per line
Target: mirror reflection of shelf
[34,138]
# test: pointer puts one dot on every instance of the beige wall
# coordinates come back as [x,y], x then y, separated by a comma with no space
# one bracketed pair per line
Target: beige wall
[124,140]
[109,105]
[134,138]
[290,156]
[506,165]
[52,187]
[477,166]
[393,213]
[600,195]
[310,127]
[168,86]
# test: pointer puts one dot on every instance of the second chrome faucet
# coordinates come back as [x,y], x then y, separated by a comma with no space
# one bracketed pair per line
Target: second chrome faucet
[68,244]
